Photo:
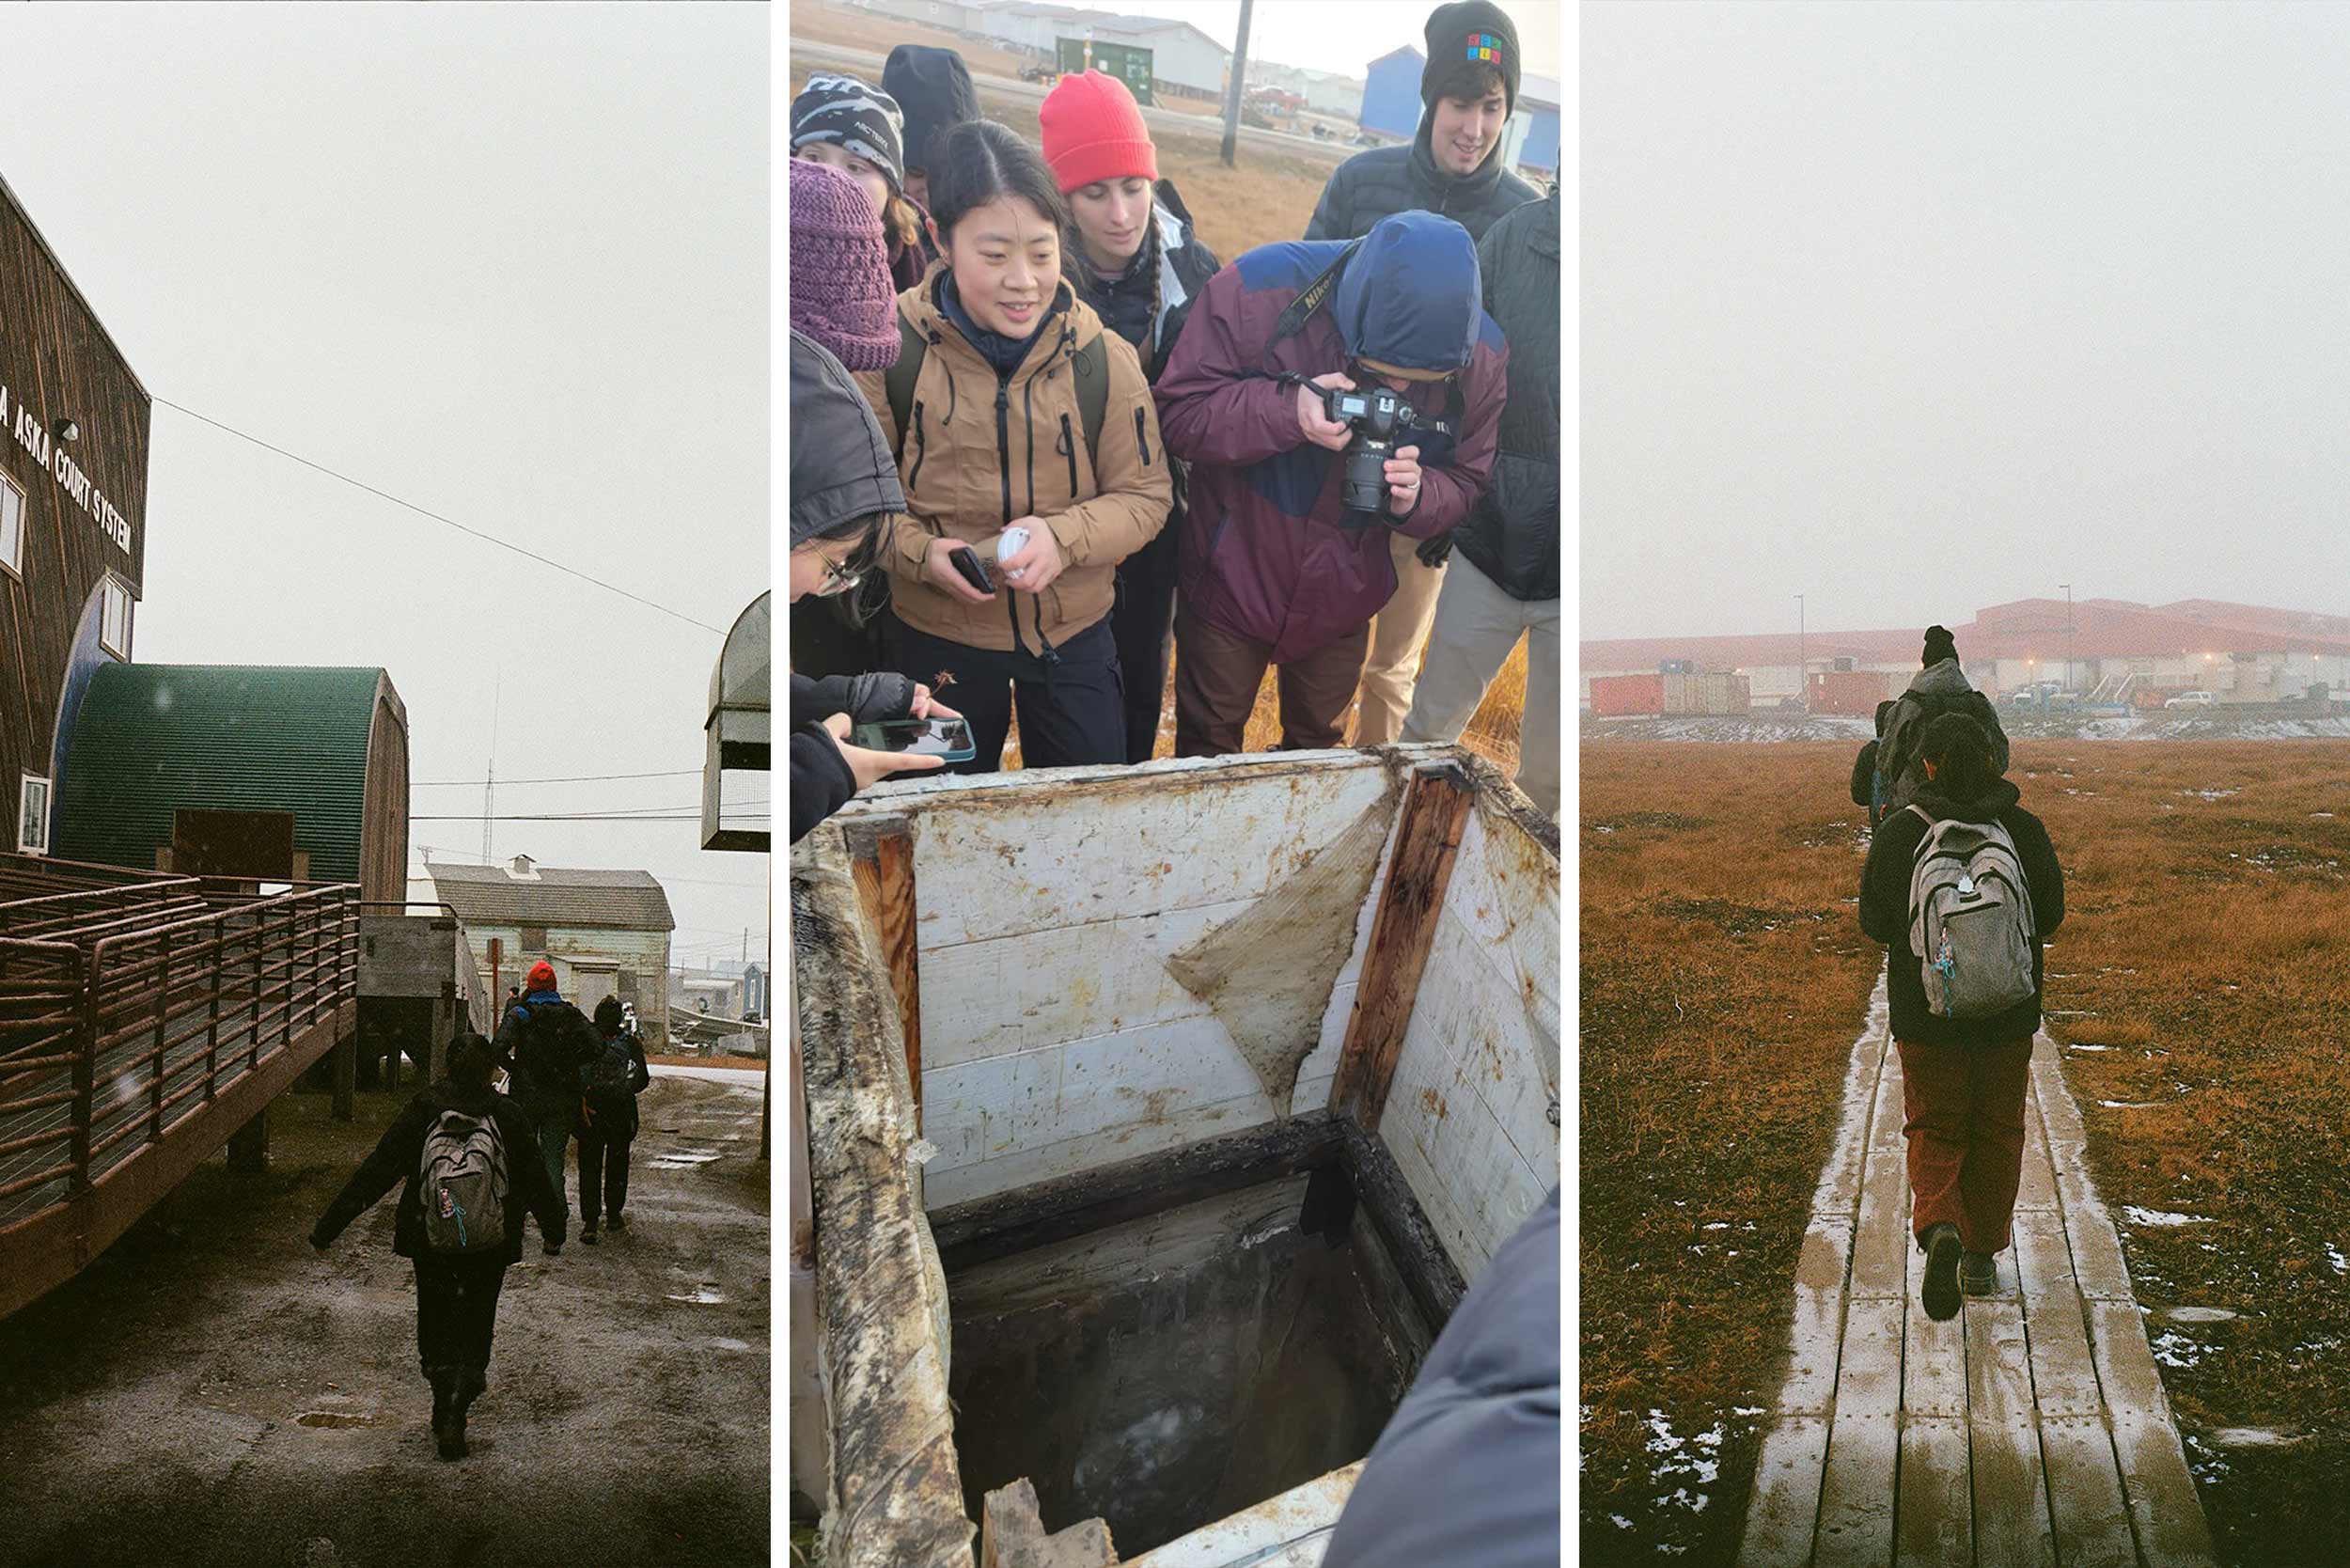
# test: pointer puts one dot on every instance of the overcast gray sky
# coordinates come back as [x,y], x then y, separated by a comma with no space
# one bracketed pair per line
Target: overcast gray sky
[1344,35]
[1915,308]
[510,263]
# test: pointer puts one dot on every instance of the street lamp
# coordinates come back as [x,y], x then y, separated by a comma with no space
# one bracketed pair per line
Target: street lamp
[1803,663]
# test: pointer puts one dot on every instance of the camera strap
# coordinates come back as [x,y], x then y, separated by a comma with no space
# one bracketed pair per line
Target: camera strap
[1308,305]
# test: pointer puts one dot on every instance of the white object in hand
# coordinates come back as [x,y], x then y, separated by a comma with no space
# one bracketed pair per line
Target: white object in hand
[1013,541]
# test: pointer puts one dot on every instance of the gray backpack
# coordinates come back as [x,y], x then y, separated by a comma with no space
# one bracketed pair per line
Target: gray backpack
[463,1191]
[1970,919]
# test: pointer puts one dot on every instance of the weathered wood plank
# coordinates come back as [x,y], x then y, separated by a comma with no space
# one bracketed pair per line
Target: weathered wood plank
[881,853]
[1435,816]
[2010,1491]
[1864,1440]
[1882,1241]
[1838,1191]
[1012,1535]
[2038,1188]
[1934,1354]
[2088,1517]
[1821,1281]
[2154,1477]
[1935,1527]
[1785,1507]
[2064,1378]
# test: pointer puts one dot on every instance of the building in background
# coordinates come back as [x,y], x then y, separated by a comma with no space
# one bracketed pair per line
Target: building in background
[74,431]
[1392,94]
[606,933]
[2106,651]
[264,775]
[1531,142]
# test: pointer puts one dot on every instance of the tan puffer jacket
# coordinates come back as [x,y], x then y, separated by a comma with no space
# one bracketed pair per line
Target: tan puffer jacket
[980,454]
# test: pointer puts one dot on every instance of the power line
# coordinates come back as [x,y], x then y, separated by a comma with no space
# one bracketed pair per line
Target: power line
[690,816]
[574,778]
[425,511]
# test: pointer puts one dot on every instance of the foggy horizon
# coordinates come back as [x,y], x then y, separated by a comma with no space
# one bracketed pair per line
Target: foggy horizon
[1919,309]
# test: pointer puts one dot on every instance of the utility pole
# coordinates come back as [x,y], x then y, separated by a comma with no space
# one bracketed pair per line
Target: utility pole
[490,785]
[2068,634]
[1238,85]
[1803,662]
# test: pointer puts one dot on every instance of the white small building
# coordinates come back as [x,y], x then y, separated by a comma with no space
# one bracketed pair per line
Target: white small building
[946,16]
[1184,59]
[606,933]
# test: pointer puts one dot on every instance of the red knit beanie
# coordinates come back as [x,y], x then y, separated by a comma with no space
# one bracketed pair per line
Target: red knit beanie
[1093,129]
[542,978]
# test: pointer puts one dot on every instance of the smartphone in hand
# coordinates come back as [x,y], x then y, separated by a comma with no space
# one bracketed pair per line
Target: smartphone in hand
[946,738]
[967,561]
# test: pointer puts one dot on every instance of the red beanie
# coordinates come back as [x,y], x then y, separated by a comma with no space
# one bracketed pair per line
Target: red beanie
[542,978]
[1093,129]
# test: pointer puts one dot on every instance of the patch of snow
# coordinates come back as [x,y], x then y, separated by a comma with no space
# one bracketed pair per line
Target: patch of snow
[2161,1216]
[2333,1256]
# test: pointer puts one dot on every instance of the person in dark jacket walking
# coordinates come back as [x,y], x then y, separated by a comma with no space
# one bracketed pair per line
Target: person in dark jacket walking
[844,500]
[1963,1079]
[1939,687]
[457,1296]
[1467,1472]
[933,88]
[608,1123]
[1132,255]
[1275,569]
[1506,582]
[856,128]
[1867,785]
[542,1044]
[1454,167]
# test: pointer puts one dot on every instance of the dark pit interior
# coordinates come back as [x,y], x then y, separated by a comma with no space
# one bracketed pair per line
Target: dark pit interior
[1163,1372]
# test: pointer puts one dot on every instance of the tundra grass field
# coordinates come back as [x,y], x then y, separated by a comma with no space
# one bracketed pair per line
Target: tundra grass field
[2196,988]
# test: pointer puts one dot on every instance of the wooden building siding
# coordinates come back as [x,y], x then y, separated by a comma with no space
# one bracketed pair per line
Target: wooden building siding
[384,815]
[58,363]
[644,954]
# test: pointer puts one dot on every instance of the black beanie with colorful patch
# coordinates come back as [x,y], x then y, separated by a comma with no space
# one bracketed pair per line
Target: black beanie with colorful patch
[1464,37]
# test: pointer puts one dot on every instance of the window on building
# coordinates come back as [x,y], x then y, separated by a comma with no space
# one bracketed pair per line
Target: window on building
[114,626]
[625,984]
[534,941]
[11,526]
[32,816]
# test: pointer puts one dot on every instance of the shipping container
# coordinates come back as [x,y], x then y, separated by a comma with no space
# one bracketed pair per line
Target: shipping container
[1708,696]
[1677,666]
[1851,691]
[1627,695]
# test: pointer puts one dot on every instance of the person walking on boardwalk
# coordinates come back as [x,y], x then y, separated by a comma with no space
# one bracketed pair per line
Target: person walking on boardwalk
[1938,687]
[543,1045]
[1454,167]
[1285,556]
[1506,583]
[1028,451]
[607,1119]
[467,1158]
[1132,256]
[1963,887]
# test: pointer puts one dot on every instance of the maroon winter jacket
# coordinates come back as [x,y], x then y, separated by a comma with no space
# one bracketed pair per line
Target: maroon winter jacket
[1265,553]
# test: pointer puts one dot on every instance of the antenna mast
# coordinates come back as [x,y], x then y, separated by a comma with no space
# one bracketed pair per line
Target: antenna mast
[490,784]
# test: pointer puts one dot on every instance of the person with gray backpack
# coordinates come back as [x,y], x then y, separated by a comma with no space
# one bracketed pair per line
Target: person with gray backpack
[607,1125]
[1963,887]
[468,1157]
[1938,687]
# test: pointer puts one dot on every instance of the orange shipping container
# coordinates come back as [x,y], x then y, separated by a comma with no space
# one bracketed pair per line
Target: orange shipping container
[1627,695]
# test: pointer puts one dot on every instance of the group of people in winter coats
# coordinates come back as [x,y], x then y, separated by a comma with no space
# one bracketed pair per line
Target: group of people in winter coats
[1155,432]
[472,1163]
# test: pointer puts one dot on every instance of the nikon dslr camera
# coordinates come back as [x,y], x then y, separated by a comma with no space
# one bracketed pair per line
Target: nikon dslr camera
[1377,417]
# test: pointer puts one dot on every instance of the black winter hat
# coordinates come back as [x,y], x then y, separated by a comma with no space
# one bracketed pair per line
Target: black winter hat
[1940,645]
[609,1015]
[1465,33]
[933,88]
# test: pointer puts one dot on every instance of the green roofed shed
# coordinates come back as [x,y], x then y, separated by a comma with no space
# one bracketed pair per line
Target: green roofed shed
[257,772]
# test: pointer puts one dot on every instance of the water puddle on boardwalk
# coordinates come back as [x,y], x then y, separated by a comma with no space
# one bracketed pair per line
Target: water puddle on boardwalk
[684,1159]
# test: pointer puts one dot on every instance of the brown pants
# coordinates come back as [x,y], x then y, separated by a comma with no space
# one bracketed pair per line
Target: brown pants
[1964,1113]
[1217,676]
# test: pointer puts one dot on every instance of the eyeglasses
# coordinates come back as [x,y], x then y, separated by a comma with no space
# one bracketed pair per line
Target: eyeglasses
[838,579]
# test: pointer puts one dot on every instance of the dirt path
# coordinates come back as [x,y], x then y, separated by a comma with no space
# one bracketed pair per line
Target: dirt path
[2031,1428]
[211,1392]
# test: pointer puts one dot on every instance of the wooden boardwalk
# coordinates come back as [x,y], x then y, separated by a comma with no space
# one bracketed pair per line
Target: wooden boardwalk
[2030,1431]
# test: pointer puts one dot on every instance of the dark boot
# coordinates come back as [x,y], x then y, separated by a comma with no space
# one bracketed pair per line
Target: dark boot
[448,1422]
[1978,1275]
[587,1234]
[1940,1289]
[614,1221]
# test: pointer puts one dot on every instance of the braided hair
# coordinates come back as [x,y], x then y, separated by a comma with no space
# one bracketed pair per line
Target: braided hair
[1091,279]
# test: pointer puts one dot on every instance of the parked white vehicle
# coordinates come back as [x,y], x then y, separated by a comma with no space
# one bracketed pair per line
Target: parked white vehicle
[2191,700]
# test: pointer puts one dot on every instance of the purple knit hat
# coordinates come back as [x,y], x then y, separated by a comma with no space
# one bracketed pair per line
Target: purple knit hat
[841,287]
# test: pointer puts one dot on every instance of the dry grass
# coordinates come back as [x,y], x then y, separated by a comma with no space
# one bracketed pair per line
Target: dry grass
[1723,979]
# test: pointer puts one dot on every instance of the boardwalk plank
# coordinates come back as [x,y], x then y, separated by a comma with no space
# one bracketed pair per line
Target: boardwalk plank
[2064,1378]
[2091,1521]
[1785,1508]
[1936,1529]
[1821,1280]
[2011,1492]
[1881,1240]
[2097,1266]
[2154,1477]
[1838,1192]
[1864,1440]
[1934,1354]
[2038,1191]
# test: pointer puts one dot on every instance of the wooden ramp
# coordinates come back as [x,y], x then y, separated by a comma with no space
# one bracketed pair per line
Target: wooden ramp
[2030,1431]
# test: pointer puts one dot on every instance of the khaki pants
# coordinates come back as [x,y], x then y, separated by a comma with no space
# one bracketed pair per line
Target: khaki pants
[1396,638]
[1475,626]
[1217,676]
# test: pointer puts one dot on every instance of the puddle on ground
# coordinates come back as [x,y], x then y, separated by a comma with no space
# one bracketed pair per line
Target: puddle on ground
[720,1343]
[333,1419]
[685,1159]
[2199,1314]
[700,1296]
[2248,1438]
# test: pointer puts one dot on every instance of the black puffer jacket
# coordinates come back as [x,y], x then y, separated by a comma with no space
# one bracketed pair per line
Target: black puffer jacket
[542,1044]
[1884,913]
[1370,185]
[1124,301]
[401,1151]
[1513,536]
[1939,688]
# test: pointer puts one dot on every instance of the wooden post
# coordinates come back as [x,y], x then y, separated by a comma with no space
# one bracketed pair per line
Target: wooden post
[444,1031]
[881,856]
[1012,1535]
[248,1146]
[1436,812]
